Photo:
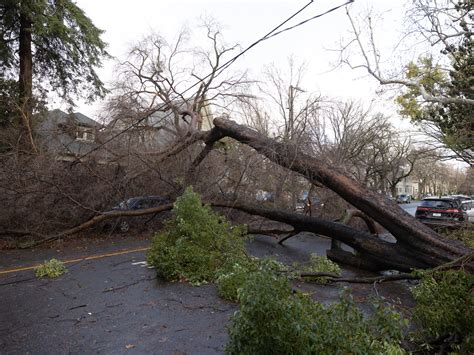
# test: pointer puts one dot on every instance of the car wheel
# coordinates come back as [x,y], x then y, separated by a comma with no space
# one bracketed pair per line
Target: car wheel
[124,227]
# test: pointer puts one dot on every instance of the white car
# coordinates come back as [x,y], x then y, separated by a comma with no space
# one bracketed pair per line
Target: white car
[468,206]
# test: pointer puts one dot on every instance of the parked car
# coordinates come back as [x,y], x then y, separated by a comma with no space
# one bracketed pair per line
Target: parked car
[265,196]
[123,224]
[461,197]
[403,198]
[443,211]
[468,206]
[303,204]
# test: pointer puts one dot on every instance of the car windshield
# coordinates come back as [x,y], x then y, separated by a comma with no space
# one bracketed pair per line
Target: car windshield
[136,203]
[439,203]
[130,203]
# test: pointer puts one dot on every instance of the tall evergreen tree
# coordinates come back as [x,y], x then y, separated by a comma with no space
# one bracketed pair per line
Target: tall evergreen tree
[48,45]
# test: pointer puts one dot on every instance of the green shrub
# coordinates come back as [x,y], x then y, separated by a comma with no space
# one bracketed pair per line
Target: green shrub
[234,275]
[231,277]
[51,268]
[320,264]
[465,235]
[445,308]
[274,320]
[196,242]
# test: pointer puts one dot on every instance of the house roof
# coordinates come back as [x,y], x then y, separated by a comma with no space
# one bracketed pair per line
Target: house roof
[57,132]
[59,116]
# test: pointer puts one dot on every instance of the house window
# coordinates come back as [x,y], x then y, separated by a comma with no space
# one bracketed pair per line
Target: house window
[85,134]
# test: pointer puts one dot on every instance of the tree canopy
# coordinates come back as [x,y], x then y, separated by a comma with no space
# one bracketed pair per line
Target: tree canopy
[452,120]
[437,90]
[65,46]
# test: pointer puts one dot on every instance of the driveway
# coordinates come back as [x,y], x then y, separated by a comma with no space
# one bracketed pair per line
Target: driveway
[112,303]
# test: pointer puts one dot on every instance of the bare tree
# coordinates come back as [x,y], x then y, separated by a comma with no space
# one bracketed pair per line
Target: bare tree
[347,135]
[438,178]
[177,80]
[290,106]
[364,144]
[435,90]
[430,21]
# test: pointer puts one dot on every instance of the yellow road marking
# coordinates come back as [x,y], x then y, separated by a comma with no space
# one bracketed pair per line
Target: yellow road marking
[92,257]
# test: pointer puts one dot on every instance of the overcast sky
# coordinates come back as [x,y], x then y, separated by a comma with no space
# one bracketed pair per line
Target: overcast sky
[125,22]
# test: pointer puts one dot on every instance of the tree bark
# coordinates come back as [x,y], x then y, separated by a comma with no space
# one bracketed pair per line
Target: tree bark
[417,245]
[88,224]
[27,142]
[374,253]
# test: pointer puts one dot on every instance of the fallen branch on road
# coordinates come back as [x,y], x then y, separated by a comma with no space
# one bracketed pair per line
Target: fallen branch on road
[367,280]
[330,277]
[94,221]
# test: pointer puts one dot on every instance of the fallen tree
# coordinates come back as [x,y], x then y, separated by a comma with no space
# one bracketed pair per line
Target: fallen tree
[416,244]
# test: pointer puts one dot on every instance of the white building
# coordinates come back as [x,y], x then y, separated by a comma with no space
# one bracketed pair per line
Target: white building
[408,186]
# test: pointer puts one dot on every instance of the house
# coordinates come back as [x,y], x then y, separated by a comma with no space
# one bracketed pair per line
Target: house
[408,186]
[67,135]
[149,133]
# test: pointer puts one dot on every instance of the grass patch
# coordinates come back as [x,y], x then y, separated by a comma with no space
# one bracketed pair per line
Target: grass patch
[52,268]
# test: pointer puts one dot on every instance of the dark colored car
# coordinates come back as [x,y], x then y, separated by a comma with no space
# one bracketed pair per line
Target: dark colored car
[403,198]
[444,211]
[123,224]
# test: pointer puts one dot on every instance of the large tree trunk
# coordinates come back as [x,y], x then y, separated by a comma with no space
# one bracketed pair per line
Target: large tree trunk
[27,142]
[417,244]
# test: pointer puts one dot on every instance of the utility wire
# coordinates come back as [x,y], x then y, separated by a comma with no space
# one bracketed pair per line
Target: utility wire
[224,66]
[311,19]
[268,35]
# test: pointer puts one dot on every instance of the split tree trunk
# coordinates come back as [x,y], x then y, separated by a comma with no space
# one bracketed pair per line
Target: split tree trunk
[417,245]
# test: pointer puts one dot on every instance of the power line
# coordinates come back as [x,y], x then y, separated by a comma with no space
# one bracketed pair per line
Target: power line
[311,19]
[224,66]
[268,35]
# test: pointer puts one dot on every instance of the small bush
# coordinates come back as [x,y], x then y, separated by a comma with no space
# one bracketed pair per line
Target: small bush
[52,268]
[272,319]
[234,275]
[320,264]
[445,309]
[465,235]
[196,242]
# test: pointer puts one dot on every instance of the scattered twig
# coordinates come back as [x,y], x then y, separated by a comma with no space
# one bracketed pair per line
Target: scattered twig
[369,280]
[330,277]
[462,261]
[113,289]
[76,307]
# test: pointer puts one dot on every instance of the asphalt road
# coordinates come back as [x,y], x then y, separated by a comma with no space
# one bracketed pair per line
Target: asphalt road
[410,207]
[115,304]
